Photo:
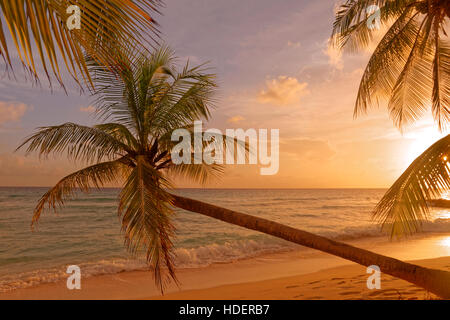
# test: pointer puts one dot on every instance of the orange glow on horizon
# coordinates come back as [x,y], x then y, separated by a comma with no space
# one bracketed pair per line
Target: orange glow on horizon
[445,242]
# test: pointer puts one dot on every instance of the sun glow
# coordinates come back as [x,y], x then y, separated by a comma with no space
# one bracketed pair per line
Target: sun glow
[445,242]
[422,138]
[443,215]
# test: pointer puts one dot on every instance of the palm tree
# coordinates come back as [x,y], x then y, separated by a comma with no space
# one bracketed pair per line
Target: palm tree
[104,24]
[141,109]
[410,68]
[410,65]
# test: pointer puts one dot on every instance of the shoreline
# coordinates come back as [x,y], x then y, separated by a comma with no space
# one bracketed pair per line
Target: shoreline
[348,282]
[257,277]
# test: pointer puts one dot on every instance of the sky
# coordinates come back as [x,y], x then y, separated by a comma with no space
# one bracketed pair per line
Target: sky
[275,70]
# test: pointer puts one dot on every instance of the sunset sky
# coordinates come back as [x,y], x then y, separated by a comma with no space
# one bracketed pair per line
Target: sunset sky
[275,71]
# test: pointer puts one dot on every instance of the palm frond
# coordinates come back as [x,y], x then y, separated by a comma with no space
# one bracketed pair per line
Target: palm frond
[119,132]
[79,142]
[106,24]
[200,173]
[406,68]
[387,62]
[130,98]
[115,96]
[410,94]
[350,28]
[404,205]
[188,98]
[95,176]
[441,79]
[146,219]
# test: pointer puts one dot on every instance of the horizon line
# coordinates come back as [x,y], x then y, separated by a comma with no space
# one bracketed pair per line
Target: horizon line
[206,188]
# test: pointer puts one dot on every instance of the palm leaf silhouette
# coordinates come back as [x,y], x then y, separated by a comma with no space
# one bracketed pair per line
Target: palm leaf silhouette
[410,71]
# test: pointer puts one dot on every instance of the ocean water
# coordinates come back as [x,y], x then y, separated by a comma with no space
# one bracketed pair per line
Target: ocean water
[87,231]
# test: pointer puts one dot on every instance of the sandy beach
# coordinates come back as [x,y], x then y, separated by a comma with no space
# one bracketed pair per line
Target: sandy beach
[340,283]
[300,274]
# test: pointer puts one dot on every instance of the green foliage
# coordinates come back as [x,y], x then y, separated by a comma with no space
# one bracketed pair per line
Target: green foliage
[140,108]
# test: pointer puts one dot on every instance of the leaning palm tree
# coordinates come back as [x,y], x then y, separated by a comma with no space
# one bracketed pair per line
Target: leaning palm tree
[133,146]
[40,32]
[410,70]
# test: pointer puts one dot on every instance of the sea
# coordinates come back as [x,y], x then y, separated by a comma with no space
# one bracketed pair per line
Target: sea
[87,232]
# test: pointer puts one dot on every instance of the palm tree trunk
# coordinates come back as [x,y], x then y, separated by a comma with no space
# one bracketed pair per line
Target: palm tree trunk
[435,281]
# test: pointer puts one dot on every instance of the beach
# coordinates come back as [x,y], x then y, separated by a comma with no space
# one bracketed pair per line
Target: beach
[297,274]
[294,150]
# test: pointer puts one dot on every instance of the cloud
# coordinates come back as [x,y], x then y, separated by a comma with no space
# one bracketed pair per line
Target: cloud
[283,91]
[88,109]
[235,119]
[293,44]
[12,111]
[334,56]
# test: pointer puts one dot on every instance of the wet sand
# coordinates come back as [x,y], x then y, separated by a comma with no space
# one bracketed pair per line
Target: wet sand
[300,274]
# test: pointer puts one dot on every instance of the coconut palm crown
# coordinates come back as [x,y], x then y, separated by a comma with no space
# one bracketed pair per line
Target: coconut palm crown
[410,70]
[140,109]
